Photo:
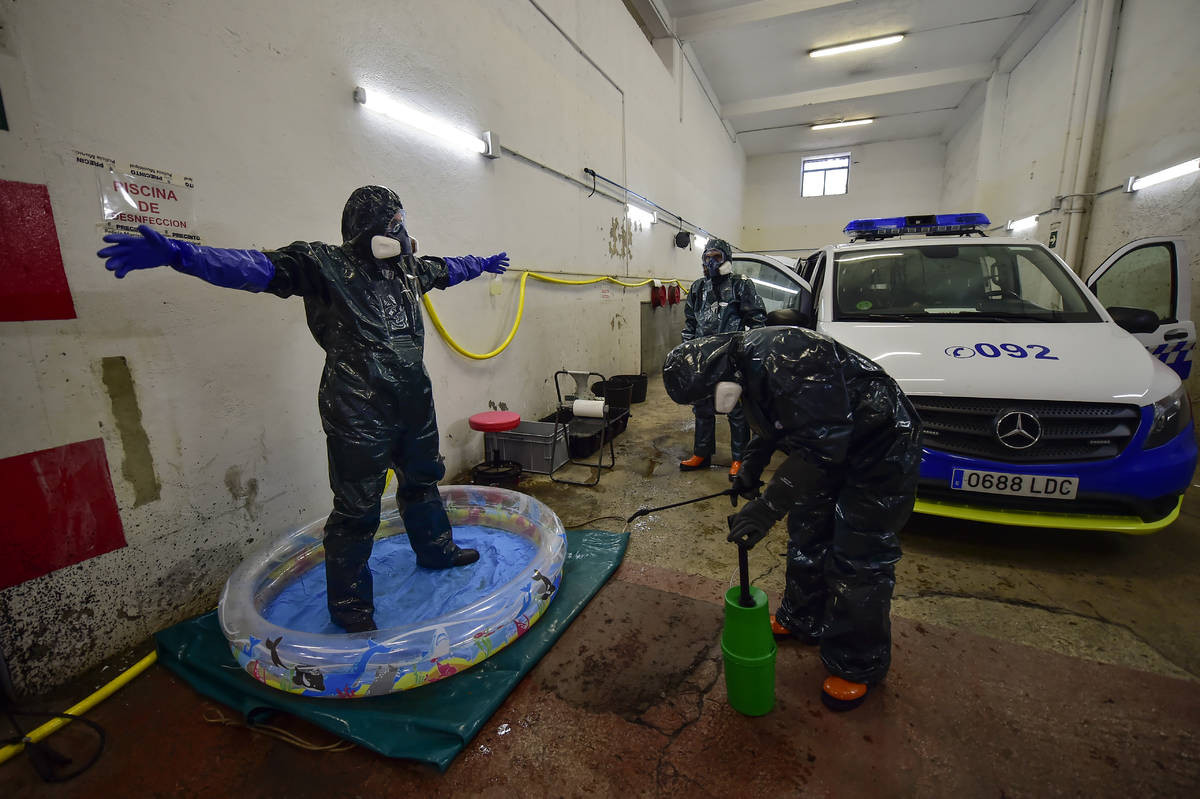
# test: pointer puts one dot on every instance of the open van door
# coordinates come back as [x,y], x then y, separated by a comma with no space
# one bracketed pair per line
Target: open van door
[777,286]
[1152,275]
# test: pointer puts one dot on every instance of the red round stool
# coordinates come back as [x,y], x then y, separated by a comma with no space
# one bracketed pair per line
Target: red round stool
[496,472]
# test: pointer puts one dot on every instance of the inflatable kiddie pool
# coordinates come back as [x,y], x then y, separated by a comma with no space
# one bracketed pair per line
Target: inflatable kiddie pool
[432,624]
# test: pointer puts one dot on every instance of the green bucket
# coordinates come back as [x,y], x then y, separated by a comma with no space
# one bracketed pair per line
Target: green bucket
[749,649]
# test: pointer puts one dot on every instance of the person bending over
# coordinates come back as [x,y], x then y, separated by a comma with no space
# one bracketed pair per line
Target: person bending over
[848,483]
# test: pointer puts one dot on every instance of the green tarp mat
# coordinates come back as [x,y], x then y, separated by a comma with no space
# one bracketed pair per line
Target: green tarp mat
[432,723]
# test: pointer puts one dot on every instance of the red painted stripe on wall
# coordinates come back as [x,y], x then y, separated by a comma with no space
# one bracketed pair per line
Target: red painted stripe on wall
[33,282]
[58,509]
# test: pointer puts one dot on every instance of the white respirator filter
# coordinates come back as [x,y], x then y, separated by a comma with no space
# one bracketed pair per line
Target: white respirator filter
[383,247]
[726,396]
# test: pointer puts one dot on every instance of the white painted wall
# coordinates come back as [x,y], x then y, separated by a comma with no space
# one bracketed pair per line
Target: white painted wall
[961,173]
[1006,159]
[890,178]
[253,100]
[1153,122]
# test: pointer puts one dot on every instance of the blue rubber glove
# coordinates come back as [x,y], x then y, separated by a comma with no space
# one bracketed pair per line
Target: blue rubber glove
[146,251]
[468,267]
[496,264]
[249,270]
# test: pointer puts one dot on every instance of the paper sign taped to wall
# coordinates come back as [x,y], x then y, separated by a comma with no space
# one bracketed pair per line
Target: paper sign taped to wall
[133,194]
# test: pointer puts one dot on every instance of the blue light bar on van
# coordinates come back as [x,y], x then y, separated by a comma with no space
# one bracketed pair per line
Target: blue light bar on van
[929,224]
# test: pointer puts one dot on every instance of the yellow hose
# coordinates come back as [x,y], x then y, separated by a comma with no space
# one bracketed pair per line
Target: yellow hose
[441,329]
[80,708]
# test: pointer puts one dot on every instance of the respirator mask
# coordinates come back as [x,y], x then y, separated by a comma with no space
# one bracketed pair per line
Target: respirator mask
[395,239]
[715,264]
[726,396]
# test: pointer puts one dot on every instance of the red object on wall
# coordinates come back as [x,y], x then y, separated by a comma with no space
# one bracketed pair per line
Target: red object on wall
[658,296]
[33,283]
[673,295]
[59,509]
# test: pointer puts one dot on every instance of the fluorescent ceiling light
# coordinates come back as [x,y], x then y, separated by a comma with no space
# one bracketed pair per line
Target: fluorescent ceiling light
[1022,224]
[644,218]
[700,241]
[401,112]
[846,124]
[1179,170]
[852,46]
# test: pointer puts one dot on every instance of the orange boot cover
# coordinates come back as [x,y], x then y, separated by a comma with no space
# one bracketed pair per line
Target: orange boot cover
[777,628]
[694,462]
[838,694]
[734,468]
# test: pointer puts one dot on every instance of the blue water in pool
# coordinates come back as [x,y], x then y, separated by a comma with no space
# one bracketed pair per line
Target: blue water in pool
[404,592]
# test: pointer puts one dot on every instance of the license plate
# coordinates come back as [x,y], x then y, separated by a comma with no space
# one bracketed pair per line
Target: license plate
[1015,485]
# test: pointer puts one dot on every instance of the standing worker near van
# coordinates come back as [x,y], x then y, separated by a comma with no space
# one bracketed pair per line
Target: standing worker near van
[362,300]
[719,302]
[848,485]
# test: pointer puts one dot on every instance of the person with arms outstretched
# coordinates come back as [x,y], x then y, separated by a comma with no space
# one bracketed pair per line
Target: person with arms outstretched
[362,301]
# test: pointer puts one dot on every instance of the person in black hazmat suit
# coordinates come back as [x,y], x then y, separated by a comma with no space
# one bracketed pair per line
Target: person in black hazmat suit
[719,302]
[848,484]
[362,300]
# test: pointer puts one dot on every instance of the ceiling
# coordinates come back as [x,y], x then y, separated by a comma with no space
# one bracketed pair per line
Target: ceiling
[752,57]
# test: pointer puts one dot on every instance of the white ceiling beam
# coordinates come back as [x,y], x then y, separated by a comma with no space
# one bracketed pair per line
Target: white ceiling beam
[1037,23]
[866,88]
[694,25]
[656,20]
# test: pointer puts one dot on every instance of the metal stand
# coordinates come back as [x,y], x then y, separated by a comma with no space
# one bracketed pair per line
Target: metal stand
[560,419]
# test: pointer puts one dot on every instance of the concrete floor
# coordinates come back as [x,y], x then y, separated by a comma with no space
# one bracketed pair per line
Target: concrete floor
[1026,663]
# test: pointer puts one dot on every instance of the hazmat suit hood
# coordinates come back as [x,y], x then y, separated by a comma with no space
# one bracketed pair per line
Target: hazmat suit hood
[693,369]
[367,213]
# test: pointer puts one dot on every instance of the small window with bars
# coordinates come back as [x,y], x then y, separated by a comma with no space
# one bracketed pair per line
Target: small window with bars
[824,175]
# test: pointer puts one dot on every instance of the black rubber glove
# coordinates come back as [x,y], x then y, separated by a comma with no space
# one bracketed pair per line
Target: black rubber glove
[751,524]
[744,486]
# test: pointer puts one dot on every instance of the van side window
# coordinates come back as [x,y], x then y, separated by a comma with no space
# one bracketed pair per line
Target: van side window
[1141,278]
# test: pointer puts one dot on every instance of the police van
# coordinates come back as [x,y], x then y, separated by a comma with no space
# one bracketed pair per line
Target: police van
[1046,401]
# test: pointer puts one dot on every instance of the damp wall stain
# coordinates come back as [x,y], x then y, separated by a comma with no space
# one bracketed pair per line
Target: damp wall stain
[245,493]
[53,629]
[137,464]
[620,238]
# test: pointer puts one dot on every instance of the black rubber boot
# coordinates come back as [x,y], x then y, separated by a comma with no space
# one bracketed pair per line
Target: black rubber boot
[460,557]
[364,626]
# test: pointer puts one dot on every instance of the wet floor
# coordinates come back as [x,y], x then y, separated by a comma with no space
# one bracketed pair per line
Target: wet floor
[1026,663]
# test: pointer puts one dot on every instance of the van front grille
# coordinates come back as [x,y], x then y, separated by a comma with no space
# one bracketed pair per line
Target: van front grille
[1038,431]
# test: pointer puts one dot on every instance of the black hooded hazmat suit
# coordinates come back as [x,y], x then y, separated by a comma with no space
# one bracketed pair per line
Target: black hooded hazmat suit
[375,398]
[720,304]
[848,485]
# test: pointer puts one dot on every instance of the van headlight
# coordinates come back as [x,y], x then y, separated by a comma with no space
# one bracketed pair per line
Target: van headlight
[1172,414]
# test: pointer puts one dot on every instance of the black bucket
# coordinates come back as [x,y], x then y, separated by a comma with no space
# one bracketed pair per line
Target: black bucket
[500,474]
[618,393]
[639,386]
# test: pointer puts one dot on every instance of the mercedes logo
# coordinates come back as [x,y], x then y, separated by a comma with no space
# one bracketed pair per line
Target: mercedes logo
[960,352]
[1018,429]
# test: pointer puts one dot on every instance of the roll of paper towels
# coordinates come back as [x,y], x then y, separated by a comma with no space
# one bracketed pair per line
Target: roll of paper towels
[590,408]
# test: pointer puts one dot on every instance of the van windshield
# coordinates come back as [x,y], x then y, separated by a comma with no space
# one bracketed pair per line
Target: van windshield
[956,283]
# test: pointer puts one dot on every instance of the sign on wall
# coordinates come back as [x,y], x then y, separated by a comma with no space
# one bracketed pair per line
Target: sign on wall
[133,194]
